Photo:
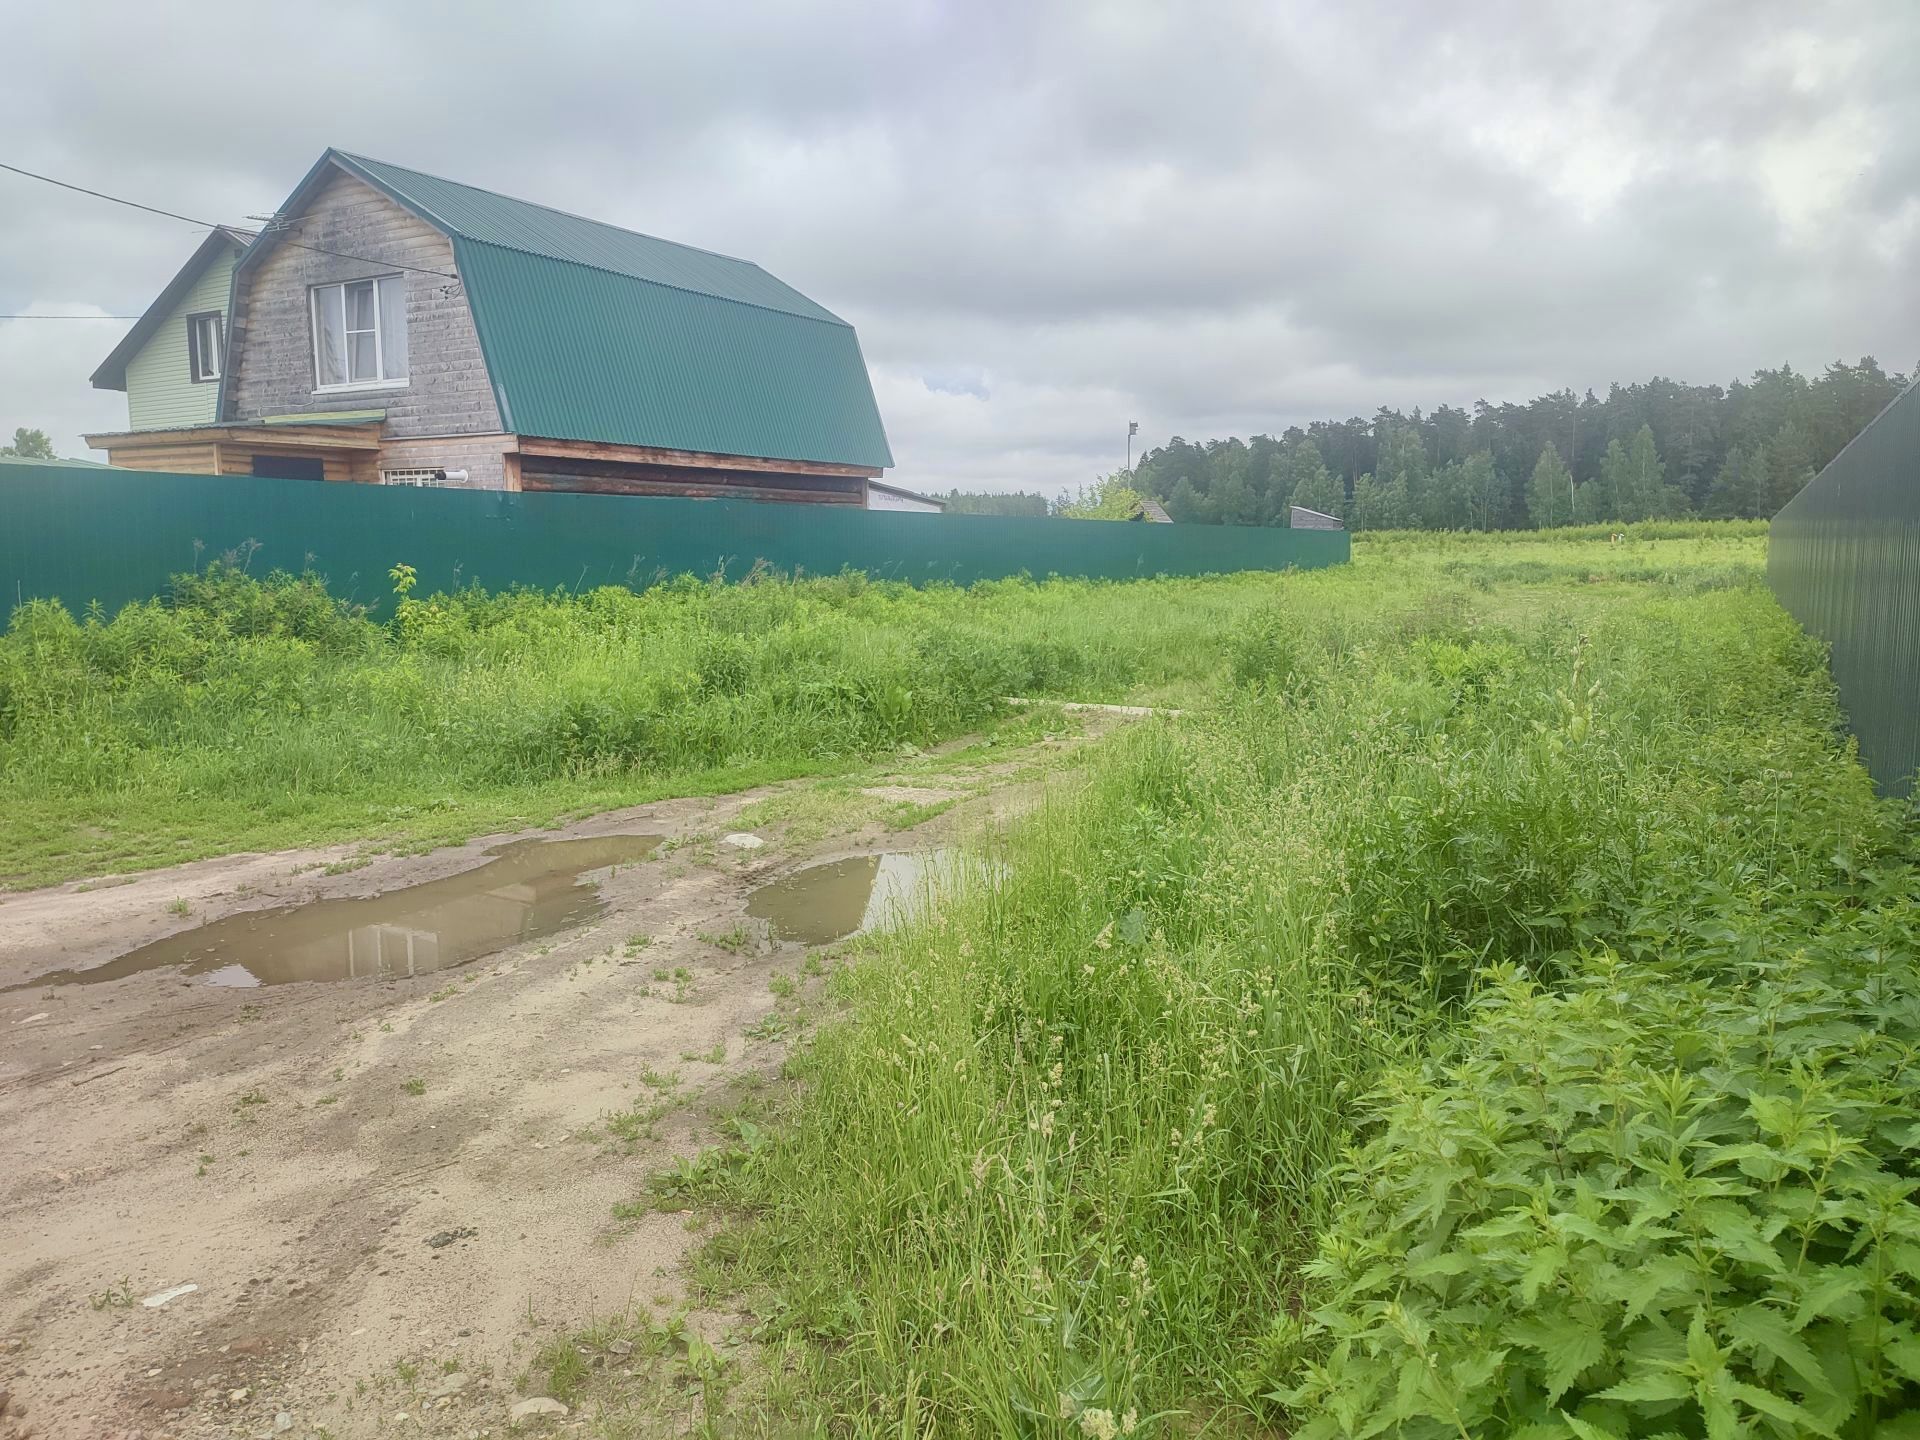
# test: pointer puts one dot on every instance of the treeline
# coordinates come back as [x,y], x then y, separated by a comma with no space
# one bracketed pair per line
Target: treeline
[1647,451]
[975,502]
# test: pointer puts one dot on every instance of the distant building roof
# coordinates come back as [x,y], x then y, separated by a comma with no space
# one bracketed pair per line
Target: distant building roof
[1301,518]
[1151,511]
[595,333]
[902,491]
[57,460]
[112,374]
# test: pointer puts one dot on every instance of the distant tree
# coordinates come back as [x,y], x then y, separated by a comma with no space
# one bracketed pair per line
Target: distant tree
[1731,494]
[1310,485]
[29,445]
[1401,473]
[1647,450]
[1610,482]
[979,502]
[1760,488]
[1188,506]
[1790,465]
[1550,491]
[1480,482]
[1367,511]
[1109,499]
[1590,505]
[1234,502]
[1654,498]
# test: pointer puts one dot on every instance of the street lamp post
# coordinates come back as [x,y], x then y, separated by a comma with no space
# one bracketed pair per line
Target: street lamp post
[1133,429]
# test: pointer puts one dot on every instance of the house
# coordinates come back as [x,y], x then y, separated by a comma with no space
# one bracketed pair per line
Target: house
[169,363]
[391,327]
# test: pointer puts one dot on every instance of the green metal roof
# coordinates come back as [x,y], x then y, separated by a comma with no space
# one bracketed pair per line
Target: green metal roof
[537,230]
[595,333]
[57,460]
[344,419]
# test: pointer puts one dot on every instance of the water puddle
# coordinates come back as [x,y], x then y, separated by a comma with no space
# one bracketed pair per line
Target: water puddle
[529,889]
[824,903]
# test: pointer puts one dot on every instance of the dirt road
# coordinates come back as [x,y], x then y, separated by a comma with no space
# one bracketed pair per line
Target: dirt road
[387,1191]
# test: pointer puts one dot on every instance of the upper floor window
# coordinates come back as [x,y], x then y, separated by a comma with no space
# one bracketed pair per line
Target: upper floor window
[360,333]
[203,346]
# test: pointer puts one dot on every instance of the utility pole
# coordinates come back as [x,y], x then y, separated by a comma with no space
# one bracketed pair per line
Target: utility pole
[1573,446]
[1133,429]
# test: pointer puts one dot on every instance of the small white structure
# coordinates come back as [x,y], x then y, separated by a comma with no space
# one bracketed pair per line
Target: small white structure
[1301,518]
[892,497]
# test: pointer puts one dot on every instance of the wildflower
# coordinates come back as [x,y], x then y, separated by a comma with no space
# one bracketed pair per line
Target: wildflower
[1046,1125]
[979,1168]
[1206,1118]
[1129,1421]
[1100,1424]
[1066,1406]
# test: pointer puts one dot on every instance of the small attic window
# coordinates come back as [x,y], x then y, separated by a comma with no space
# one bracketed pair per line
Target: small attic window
[203,346]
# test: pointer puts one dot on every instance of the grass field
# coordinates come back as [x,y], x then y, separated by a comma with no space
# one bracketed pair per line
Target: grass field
[245,716]
[1490,1011]
[241,715]
[1493,1014]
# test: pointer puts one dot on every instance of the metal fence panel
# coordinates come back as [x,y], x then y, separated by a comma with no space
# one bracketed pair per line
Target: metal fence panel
[1844,558]
[117,535]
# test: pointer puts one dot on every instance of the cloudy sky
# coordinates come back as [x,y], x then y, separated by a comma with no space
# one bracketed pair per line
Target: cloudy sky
[1047,220]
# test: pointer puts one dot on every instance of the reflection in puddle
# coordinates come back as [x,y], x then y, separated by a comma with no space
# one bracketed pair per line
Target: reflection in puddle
[823,903]
[530,888]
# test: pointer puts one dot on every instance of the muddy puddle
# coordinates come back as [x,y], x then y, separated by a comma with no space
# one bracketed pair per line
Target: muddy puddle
[823,903]
[528,889]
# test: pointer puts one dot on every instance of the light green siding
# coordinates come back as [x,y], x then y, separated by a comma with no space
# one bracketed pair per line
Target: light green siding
[161,393]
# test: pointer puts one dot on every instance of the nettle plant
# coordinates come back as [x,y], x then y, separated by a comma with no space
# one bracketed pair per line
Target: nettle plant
[1651,1204]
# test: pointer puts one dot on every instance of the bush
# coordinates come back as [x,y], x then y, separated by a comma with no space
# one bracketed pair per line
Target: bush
[1668,1201]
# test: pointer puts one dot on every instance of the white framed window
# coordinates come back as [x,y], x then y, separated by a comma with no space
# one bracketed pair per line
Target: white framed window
[425,479]
[360,334]
[203,346]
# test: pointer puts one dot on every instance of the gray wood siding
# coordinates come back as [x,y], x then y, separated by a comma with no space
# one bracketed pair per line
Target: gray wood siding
[271,330]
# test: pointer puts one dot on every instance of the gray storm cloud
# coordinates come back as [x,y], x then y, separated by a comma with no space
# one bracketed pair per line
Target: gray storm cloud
[1048,220]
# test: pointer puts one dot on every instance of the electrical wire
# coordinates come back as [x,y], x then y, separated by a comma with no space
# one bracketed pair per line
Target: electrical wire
[215,225]
[69,317]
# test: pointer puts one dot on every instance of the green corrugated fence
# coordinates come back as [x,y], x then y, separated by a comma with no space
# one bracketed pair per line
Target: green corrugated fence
[116,535]
[1844,558]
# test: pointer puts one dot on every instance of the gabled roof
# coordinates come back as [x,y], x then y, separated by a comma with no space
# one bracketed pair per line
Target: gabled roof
[1152,511]
[112,374]
[595,333]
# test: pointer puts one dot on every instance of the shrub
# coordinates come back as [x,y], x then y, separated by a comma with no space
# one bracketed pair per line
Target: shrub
[1671,1200]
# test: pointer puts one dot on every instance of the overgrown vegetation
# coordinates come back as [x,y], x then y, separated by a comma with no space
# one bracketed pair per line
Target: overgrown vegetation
[1490,1011]
[1555,892]
[240,713]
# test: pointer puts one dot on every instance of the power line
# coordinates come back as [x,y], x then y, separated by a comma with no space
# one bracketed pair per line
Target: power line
[69,317]
[215,225]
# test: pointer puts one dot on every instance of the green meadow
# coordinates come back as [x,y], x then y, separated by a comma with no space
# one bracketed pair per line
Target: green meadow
[1488,1009]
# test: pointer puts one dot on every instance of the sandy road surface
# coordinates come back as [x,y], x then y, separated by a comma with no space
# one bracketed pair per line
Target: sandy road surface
[290,1150]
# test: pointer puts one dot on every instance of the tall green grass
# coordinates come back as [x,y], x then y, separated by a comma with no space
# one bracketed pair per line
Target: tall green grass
[237,714]
[1059,1163]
